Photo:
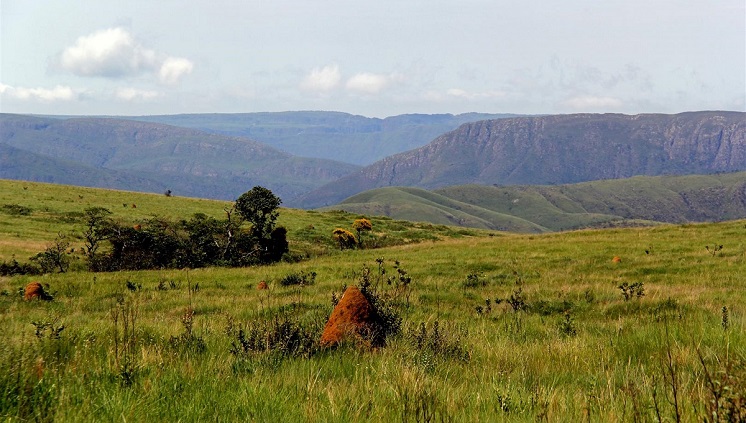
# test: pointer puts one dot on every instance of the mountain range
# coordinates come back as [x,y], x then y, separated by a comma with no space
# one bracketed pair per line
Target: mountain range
[124,154]
[505,173]
[560,149]
[336,136]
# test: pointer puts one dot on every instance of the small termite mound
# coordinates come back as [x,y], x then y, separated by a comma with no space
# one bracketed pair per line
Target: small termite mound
[354,318]
[36,290]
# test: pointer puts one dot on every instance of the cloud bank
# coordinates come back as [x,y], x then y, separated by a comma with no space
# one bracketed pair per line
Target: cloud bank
[371,83]
[115,53]
[322,80]
[44,95]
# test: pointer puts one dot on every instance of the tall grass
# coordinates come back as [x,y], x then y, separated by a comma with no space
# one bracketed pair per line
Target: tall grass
[577,351]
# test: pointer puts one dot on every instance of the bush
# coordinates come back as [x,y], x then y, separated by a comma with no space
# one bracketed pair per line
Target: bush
[474,280]
[56,257]
[283,335]
[344,238]
[439,343]
[13,268]
[299,278]
[16,210]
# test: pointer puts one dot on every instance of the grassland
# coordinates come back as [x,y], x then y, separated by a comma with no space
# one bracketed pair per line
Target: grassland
[558,341]
[640,200]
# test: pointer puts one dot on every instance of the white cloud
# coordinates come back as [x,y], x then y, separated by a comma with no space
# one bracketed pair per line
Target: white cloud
[134,94]
[322,79]
[593,103]
[115,53]
[369,83]
[173,69]
[44,95]
[459,93]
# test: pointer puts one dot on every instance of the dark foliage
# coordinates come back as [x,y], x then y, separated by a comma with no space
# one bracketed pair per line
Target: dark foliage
[299,278]
[284,335]
[13,267]
[259,207]
[15,210]
[198,242]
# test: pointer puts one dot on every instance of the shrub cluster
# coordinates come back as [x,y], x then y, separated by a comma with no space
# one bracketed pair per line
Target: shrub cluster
[198,242]
[13,267]
[284,335]
[299,278]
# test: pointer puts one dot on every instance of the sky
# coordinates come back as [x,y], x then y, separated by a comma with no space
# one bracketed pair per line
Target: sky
[372,58]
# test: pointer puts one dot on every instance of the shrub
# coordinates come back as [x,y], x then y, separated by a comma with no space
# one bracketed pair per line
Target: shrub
[636,289]
[283,334]
[474,280]
[567,326]
[13,268]
[389,317]
[344,238]
[360,226]
[516,300]
[188,342]
[56,257]
[437,343]
[16,210]
[299,278]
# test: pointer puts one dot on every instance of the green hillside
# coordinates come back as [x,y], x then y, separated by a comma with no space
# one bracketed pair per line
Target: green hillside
[33,214]
[632,201]
[420,205]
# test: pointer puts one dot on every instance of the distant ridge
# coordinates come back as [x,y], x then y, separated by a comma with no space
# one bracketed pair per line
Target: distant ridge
[122,154]
[336,136]
[536,208]
[555,150]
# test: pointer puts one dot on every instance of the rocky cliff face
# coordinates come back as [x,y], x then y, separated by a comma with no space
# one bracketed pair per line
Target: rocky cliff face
[556,150]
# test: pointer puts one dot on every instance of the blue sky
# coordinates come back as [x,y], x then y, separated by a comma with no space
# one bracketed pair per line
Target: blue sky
[373,58]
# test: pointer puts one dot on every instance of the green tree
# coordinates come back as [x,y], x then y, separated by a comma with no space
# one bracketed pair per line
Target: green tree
[259,207]
[56,257]
[98,226]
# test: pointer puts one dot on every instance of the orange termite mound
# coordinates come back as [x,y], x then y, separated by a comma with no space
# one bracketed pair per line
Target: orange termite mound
[35,290]
[354,316]
[262,285]
[616,259]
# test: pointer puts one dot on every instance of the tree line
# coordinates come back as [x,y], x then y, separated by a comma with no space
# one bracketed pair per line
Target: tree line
[247,235]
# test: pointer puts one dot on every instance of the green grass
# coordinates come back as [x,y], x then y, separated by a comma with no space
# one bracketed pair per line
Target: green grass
[58,209]
[521,366]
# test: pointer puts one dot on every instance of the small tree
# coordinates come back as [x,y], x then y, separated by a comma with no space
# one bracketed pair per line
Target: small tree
[360,226]
[56,257]
[97,228]
[345,238]
[259,207]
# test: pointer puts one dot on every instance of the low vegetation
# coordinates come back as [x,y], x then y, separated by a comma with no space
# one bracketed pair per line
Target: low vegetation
[479,328]
[636,201]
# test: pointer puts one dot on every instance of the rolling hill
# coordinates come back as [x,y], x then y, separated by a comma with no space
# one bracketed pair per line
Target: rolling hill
[115,153]
[329,135]
[680,199]
[557,149]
